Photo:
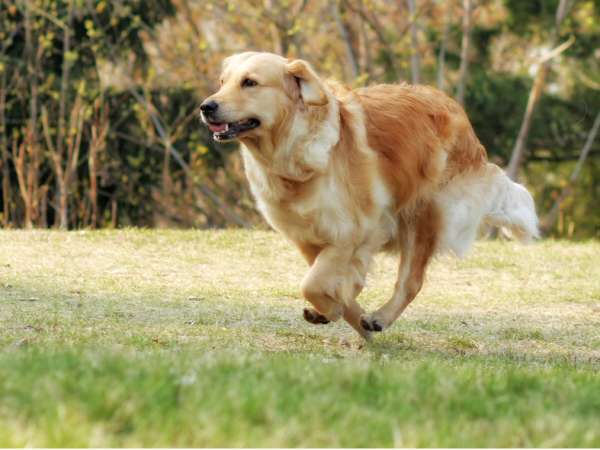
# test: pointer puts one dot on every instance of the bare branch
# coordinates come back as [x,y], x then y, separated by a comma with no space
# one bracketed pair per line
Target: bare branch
[518,153]
[558,50]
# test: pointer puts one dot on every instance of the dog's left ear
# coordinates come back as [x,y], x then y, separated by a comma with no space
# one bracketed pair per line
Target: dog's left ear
[311,87]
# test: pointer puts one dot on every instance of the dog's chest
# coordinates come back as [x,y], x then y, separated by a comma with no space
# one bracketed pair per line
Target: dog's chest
[316,211]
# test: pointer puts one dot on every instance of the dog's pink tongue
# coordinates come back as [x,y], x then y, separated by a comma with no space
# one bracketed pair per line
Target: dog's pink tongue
[217,127]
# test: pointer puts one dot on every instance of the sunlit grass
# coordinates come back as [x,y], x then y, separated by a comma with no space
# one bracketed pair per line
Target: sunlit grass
[172,338]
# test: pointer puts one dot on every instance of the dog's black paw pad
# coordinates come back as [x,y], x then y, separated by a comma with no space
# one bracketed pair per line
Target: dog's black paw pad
[371,325]
[312,316]
[377,326]
[365,324]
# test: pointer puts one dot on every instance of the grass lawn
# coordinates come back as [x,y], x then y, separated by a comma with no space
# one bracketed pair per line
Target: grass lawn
[196,338]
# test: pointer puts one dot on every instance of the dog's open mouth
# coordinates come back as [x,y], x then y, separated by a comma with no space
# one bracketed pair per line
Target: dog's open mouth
[223,131]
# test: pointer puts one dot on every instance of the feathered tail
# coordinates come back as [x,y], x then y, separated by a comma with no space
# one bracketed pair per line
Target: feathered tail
[512,207]
[487,196]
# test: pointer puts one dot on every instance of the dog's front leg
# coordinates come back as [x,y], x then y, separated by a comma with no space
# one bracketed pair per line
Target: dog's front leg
[332,284]
[322,285]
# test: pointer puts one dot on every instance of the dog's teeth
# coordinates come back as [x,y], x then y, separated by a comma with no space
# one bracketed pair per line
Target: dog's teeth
[226,126]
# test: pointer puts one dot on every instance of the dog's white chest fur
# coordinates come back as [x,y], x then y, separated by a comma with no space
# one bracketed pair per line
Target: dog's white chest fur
[325,215]
[319,217]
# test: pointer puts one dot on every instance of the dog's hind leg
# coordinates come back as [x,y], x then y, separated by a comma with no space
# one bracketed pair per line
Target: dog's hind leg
[418,240]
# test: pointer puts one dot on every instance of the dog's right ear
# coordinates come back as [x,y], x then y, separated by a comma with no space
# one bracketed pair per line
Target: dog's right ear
[312,90]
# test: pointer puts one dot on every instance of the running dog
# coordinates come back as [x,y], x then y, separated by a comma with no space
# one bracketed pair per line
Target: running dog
[346,173]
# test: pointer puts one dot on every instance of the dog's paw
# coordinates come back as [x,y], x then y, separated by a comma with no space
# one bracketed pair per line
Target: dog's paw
[370,323]
[314,317]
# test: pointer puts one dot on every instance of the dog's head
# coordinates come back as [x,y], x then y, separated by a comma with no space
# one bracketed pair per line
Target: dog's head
[258,91]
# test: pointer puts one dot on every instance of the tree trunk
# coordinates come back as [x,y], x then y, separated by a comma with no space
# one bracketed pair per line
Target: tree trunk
[99,131]
[114,213]
[367,59]
[278,33]
[518,153]
[43,207]
[4,155]
[388,55]
[550,218]
[32,73]
[534,95]
[415,61]
[166,170]
[19,155]
[441,76]
[92,166]
[353,68]
[63,201]
[61,131]
[464,51]
[29,154]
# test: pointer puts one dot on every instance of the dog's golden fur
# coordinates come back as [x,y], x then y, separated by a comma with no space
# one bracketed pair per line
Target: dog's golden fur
[347,173]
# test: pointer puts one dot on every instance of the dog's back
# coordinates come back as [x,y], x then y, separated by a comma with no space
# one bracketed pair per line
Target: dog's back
[422,136]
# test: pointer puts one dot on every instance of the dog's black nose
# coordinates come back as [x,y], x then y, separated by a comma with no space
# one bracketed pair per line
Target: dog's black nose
[209,107]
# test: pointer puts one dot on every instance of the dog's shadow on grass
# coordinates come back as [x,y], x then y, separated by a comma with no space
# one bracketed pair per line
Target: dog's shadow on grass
[404,345]
[384,346]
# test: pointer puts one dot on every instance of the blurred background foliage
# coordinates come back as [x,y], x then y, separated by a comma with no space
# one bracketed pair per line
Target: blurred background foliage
[98,99]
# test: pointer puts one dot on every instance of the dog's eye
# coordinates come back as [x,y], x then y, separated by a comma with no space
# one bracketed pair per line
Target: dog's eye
[247,82]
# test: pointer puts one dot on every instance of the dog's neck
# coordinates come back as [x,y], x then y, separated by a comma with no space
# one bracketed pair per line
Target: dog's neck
[301,147]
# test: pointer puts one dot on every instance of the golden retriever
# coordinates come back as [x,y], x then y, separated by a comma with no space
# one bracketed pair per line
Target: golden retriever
[347,173]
